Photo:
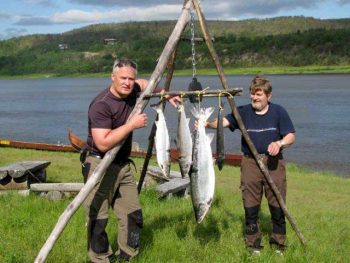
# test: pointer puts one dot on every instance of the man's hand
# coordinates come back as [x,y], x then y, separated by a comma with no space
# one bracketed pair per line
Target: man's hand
[173,100]
[274,148]
[196,125]
[139,120]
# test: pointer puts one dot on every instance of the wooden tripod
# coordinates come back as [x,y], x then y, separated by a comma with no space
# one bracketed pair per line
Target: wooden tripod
[167,57]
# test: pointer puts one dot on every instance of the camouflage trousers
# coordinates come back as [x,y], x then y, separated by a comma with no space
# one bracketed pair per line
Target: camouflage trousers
[253,185]
[117,189]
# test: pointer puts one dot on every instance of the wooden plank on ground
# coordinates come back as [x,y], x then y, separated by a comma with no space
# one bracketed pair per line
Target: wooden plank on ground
[156,170]
[62,187]
[3,173]
[19,169]
[173,186]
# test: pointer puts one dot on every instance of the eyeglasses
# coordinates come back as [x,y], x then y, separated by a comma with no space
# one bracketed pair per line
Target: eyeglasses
[124,63]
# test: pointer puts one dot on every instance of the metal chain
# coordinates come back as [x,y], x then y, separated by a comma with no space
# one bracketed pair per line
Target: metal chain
[194,71]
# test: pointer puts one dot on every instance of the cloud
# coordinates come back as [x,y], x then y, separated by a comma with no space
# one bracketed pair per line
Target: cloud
[213,9]
[33,21]
[45,3]
[225,9]
[253,7]
[5,16]
[163,12]
[13,32]
[344,2]
[125,3]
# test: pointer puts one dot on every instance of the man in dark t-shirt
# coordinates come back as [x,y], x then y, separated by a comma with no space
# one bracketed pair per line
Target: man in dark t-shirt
[108,113]
[271,130]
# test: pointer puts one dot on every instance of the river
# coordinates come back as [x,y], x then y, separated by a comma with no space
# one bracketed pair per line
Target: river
[42,110]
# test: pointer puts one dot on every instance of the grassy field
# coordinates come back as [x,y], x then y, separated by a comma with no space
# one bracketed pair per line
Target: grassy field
[313,69]
[318,202]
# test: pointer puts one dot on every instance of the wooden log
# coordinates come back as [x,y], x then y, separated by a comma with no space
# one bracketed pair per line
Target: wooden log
[19,169]
[19,176]
[109,157]
[158,172]
[173,186]
[241,126]
[3,173]
[204,93]
[62,187]
[9,183]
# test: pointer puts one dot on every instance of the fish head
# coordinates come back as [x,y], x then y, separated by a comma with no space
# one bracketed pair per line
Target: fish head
[201,211]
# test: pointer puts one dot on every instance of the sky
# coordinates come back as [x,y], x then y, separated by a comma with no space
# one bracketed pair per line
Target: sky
[24,17]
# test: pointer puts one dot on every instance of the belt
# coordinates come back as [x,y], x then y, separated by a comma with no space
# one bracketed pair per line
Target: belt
[248,155]
[262,155]
[115,161]
[95,155]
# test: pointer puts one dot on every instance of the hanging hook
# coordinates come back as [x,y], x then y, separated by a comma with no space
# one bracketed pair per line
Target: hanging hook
[220,105]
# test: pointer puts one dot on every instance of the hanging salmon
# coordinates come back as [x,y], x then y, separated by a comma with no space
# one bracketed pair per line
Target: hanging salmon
[202,173]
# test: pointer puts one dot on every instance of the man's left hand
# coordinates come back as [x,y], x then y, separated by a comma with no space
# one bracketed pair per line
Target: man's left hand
[173,100]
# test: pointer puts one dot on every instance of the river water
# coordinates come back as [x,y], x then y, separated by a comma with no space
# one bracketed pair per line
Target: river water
[42,110]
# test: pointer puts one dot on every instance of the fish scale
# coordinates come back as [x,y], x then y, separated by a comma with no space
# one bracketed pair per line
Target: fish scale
[202,172]
[184,142]
[162,141]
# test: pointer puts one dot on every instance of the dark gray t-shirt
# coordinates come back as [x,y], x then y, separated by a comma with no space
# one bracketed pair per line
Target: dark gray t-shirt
[110,112]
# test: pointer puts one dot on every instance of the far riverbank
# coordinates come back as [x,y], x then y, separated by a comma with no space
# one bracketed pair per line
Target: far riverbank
[275,70]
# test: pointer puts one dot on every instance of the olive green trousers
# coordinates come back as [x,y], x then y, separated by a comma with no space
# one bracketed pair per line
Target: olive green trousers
[117,189]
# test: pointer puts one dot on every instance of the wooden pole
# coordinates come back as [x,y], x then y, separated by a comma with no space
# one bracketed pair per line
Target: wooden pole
[204,93]
[154,126]
[109,156]
[238,118]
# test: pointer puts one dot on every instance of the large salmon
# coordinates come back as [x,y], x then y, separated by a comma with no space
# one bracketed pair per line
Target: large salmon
[162,142]
[184,141]
[202,170]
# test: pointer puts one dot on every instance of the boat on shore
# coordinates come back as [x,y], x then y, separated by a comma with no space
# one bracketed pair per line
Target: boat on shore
[230,159]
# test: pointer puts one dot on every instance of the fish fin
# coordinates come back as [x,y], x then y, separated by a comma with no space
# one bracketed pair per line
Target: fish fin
[195,112]
[157,106]
[210,137]
[208,112]
[220,165]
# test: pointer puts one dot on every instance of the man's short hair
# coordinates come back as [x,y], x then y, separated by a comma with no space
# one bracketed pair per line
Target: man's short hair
[260,83]
[125,62]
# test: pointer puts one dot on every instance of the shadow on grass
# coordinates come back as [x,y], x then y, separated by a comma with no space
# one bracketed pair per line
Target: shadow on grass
[216,222]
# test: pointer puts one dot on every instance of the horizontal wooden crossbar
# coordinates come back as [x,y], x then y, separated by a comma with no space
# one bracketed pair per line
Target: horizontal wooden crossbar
[202,93]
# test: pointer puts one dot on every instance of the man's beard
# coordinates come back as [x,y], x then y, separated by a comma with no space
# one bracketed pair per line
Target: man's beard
[257,106]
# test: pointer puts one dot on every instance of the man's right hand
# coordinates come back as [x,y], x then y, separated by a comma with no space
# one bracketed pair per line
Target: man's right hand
[139,120]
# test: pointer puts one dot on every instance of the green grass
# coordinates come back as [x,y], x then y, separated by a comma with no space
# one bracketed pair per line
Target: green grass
[319,204]
[312,69]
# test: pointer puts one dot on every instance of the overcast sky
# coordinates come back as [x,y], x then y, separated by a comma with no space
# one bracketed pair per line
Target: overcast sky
[23,17]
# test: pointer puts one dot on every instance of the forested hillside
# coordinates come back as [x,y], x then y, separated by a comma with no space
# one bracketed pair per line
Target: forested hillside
[283,41]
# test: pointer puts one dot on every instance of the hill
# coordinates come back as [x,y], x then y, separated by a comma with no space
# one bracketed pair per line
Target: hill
[282,41]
